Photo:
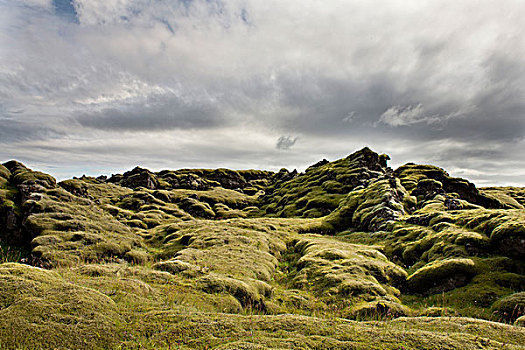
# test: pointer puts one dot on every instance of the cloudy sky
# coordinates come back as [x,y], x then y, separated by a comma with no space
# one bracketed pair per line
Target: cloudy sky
[99,86]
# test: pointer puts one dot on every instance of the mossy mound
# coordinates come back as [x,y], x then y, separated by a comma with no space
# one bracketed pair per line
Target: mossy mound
[21,175]
[4,172]
[236,256]
[318,191]
[427,181]
[40,310]
[505,229]
[511,307]
[516,193]
[68,229]
[250,294]
[511,197]
[441,276]
[379,310]
[335,269]
[371,208]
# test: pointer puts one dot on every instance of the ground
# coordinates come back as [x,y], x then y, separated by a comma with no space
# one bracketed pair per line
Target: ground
[349,254]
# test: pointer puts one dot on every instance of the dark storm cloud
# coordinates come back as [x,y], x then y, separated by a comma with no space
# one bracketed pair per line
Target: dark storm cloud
[285,142]
[165,116]
[12,131]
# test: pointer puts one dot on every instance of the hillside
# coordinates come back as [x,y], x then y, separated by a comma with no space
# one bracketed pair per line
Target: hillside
[350,254]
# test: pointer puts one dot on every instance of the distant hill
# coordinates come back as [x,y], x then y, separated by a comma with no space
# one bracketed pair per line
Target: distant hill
[350,254]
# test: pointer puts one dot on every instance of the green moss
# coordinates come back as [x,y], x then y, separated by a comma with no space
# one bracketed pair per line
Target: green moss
[236,247]
[500,195]
[509,237]
[292,331]
[379,310]
[75,187]
[196,208]
[224,212]
[137,256]
[173,280]
[246,293]
[510,308]
[441,275]
[26,176]
[321,188]
[72,228]
[175,266]
[38,309]
[4,172]
[334,268]
[370,208]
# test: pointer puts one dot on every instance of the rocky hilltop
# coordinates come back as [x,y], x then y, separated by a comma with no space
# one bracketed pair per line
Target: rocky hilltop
[350,254]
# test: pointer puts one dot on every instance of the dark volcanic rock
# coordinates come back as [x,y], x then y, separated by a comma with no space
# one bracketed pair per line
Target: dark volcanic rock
[139,177]
[427,181]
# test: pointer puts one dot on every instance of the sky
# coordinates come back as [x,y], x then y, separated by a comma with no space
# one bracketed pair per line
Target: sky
[100,86]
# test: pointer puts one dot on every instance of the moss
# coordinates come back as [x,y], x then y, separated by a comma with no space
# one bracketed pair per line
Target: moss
[250,191]
[320,189]
[175,266]
[72,228]
[510,308]
[39,309]
[46,240]
[293,331]
[370,208]
[224,212]
[516,193]
[137,256]
[329,267]
[441,275]
[509,237]
[410,174]
[4,172]
[75,187]
[247,294]
[492,282]
[26,176]
[137,223]
[500,195]
[238,248]
[196,208]
[379,310]
[174,280]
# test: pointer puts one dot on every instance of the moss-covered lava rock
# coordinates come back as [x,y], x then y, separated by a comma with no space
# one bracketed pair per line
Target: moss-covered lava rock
[348,254]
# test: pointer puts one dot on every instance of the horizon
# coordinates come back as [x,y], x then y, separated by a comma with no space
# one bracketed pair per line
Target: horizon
[69,173]
[98,87]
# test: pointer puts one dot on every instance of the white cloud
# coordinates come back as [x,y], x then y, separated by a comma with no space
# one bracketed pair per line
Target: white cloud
[407,115]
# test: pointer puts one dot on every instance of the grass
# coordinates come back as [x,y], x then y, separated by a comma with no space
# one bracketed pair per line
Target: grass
[11,254]
[147,309]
